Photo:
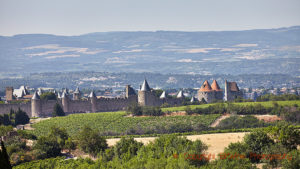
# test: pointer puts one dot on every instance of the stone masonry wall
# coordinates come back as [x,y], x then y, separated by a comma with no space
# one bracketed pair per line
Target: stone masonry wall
[5,108]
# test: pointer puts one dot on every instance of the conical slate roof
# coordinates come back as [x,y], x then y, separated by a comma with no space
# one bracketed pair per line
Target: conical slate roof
[64,95]
[145,86]
[180,94]
[193,99]
[77,90]
[205,87]
[66,91]
[58,95]
[40,91]
[163,95]
[215,86]
[92,94]
[35,96]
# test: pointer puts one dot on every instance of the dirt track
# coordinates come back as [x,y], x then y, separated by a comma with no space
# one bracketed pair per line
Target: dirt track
[216,142]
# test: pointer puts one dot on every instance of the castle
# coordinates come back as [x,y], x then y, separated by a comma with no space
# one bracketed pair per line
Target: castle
[210,93]
[36,107]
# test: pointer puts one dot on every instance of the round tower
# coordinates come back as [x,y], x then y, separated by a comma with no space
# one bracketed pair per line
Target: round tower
[36,106]
[143,94]
[65,102]
[205,92]
[77,94]
[93,100]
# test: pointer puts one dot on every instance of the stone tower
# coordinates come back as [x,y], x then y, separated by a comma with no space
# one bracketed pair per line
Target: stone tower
[205,92]
[36,105]
[9,93]
[93,100]
[65,102]
[77,94]
[218,93]
[232,91]
[144,95]
[129,91]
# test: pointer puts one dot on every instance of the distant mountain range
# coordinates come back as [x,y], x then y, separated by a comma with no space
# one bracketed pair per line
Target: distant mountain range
[262,51]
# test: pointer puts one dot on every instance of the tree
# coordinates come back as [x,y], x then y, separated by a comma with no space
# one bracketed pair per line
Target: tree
[126,148]
[257,141]
[4,159]
[135,109]
[60,134]
[90,141]
[21,117]
[6,120]
[48,96]
[158,92]
[285,134]
[58,111]
[292,161]
[69,144]
[47,147]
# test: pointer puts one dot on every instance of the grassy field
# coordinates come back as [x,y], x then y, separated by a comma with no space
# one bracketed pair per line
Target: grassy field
[266,104]
[118,123]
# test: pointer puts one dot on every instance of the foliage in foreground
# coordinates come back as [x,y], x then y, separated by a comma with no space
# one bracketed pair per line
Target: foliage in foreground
[4,159]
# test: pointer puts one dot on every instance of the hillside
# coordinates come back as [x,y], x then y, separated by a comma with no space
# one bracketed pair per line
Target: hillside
[224,52]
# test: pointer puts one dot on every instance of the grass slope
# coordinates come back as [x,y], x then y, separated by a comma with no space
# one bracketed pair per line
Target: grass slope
[266,104]
[117,122]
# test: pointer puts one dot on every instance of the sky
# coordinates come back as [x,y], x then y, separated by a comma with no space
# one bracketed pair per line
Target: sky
[75,17]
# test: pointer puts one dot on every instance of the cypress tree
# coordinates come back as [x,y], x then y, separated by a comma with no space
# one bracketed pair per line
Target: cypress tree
[58,111]
[4,159]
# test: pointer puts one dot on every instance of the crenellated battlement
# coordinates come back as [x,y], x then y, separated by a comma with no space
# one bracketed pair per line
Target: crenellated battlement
[145,97]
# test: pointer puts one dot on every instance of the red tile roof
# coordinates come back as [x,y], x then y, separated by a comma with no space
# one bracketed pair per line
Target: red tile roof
[205,87]
[215,86]
[233,87]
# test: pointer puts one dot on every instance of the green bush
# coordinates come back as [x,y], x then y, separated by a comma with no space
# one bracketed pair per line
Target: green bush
[236,122]
[5,129]
[14,118]
[46,147]
[257,141]
[126,148]
[292,161]
[271,97]
[26,135]
[90,141]
[137,110]
[48,96]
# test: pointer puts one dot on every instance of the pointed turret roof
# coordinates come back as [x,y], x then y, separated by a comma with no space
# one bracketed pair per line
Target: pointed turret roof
[163,95]
[58,95]
[145,86]
[35,96]
[233,87]
[193,99]
[64,95]
[77,90]
[92,94]
[40,91]
[180,94]
[215,86]
[66,90]
[205,87]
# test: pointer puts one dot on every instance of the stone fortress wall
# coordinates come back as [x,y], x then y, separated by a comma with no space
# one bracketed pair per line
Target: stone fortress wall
[145,97]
